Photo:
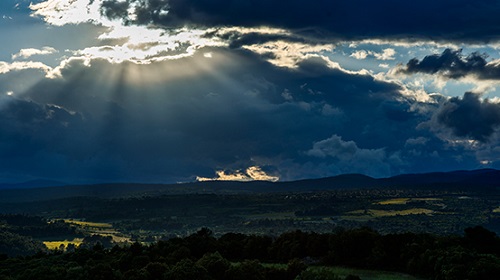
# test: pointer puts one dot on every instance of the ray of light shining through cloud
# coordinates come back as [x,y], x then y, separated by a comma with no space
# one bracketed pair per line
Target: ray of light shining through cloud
[176,91]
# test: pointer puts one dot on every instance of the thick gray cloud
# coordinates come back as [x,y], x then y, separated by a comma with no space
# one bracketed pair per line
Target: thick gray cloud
[35,137]
[454,65]
[261,99]
[347,157]
[447,20]
[468,117]
[240,112]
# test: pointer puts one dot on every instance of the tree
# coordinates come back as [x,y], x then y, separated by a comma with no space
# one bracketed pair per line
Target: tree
[155,270]
[295,268]
[248,270]
[201,242]
[318,274]
[481,239]
[215,264]
[187,270]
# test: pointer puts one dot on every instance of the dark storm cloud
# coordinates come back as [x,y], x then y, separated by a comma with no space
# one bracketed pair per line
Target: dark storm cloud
[129,122]
[34,137]
[447,20]
[454,65]
[347,157]
[246,113]
[114,9]
[468,117]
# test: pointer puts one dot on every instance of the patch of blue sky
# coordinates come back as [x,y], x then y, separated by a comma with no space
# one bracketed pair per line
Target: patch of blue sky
[342,54]
[366,58]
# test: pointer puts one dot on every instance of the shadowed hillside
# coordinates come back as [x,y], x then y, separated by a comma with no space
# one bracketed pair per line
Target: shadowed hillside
[476,180]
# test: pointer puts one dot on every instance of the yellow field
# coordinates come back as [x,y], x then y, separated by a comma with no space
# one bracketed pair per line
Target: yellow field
[52,245]
[120,238]
[496,210]
[404,200]
[362,215]
[393,201]
[89,224]
[388,213]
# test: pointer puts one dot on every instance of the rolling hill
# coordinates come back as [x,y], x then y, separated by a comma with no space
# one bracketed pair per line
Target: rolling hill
[475,180]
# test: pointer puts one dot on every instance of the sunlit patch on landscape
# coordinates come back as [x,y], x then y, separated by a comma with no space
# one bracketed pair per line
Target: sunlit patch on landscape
[359,215]
[57,245]
[393,201]
[102,229]
[404,200]
[89,224]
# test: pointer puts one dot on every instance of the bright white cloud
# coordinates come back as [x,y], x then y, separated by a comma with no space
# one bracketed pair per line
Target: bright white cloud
[145,46]
[62,12]
[402,43]
[148,44]
[287,54]
[360,55]
[26,53]
[142,44]
[386,54]
[24,65]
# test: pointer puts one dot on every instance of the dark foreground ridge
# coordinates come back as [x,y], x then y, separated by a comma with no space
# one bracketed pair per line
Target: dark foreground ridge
[483,180]
[292,255]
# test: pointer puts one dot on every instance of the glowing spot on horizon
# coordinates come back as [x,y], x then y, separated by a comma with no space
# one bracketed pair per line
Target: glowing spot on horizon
[253,173]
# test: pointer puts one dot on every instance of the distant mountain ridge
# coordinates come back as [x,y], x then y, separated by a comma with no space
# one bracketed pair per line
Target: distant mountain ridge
[462,178]
[32,184]
[479,180]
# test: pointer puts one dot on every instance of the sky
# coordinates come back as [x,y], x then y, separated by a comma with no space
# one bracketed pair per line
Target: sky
[170,91]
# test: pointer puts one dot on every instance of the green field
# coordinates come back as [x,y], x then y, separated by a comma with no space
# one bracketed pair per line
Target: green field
[366,274]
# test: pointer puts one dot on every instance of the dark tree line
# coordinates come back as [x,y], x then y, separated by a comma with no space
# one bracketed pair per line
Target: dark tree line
[19,233]
[12,244]
[476,255]
[35,226]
